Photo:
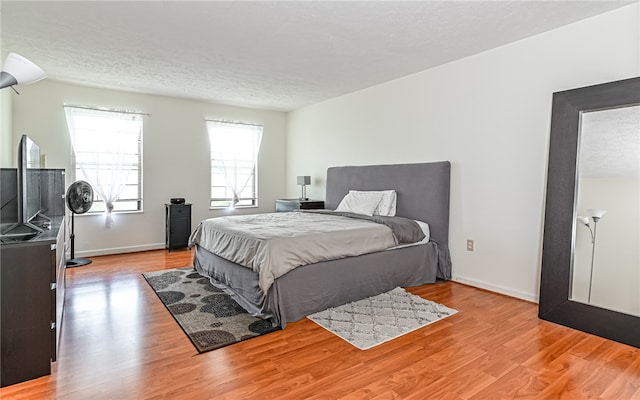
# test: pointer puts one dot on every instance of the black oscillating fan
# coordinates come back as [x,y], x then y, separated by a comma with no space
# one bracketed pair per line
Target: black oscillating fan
[79,200]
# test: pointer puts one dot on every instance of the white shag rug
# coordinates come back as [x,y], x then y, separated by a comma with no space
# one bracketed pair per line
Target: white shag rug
[372,321]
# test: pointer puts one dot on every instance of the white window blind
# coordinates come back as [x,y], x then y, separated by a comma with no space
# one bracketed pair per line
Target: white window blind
[234,155]
[107,153]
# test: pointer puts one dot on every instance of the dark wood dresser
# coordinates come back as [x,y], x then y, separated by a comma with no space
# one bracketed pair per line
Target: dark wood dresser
[32,286]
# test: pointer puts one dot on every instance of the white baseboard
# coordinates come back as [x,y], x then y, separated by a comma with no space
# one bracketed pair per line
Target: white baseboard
[495,288]
[456,278]
[119,250]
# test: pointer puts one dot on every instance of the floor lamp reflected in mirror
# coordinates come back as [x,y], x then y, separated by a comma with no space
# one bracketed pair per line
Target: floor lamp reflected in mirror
[595,216]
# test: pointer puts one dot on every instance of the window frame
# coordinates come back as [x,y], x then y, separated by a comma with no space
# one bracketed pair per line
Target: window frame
[138,167]
[254,200]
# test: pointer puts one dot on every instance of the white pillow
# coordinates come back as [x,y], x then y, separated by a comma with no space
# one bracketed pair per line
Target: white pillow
[387,205]
[360,202]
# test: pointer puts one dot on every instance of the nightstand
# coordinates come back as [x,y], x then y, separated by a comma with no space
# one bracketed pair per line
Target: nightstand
[297,204]
[178,225]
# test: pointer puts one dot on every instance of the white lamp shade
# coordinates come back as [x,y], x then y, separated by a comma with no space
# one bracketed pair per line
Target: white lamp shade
[583,219]
[596,213]
[21,70]
[304,180]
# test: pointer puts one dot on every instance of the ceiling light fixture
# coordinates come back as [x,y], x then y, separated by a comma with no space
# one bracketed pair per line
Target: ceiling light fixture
[17,70]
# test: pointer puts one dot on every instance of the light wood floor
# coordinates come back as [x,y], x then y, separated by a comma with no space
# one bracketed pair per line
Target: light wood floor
[119,342]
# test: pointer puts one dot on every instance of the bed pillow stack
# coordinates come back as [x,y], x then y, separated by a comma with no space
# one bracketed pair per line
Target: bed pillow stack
[372,202]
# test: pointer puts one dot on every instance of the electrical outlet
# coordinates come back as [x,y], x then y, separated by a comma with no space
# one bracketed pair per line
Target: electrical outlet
[470,245]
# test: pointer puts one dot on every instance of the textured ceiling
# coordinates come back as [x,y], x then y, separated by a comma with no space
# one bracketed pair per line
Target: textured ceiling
[610,143]
[273,55]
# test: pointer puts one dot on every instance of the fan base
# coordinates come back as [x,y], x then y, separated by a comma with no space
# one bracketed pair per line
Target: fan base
[78,262]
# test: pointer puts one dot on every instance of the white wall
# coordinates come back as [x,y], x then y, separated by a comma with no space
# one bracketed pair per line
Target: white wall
[488,114]
[7,159]
[175,157]
[616,267]
[6,144]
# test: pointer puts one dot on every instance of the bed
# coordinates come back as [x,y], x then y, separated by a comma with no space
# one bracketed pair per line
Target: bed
[422,194]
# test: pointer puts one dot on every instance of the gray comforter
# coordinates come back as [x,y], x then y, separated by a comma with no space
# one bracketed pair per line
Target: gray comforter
[275,243]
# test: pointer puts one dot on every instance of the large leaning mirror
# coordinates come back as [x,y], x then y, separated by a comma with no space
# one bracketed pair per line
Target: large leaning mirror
[606,255]
[591,258]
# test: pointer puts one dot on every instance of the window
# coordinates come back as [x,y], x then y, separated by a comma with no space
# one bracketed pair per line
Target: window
[107,153]
[234,154]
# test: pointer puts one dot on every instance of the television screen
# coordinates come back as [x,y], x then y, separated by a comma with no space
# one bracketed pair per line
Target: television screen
[28,194]
[8,196]
[29,179]
[29,204]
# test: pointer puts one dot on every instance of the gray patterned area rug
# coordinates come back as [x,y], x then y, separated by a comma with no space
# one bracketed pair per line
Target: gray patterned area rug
[372,321]
[209,317]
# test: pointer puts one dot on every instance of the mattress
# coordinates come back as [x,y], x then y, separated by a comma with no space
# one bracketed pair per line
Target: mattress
[275,243]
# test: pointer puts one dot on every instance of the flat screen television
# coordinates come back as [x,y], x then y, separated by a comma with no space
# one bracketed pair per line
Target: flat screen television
[28,190]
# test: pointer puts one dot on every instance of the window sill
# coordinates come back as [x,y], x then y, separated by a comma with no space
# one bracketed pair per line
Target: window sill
[88,214]
[235,208]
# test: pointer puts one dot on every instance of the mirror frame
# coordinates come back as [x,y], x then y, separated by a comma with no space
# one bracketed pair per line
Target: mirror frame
[560,213]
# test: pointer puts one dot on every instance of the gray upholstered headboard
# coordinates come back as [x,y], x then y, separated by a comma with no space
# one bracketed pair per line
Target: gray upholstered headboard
[422,190]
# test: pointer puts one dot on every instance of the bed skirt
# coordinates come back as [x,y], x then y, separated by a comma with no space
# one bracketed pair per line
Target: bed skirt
[316,287]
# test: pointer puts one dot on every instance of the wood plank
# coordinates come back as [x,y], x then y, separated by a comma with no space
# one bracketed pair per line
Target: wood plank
[119,341]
